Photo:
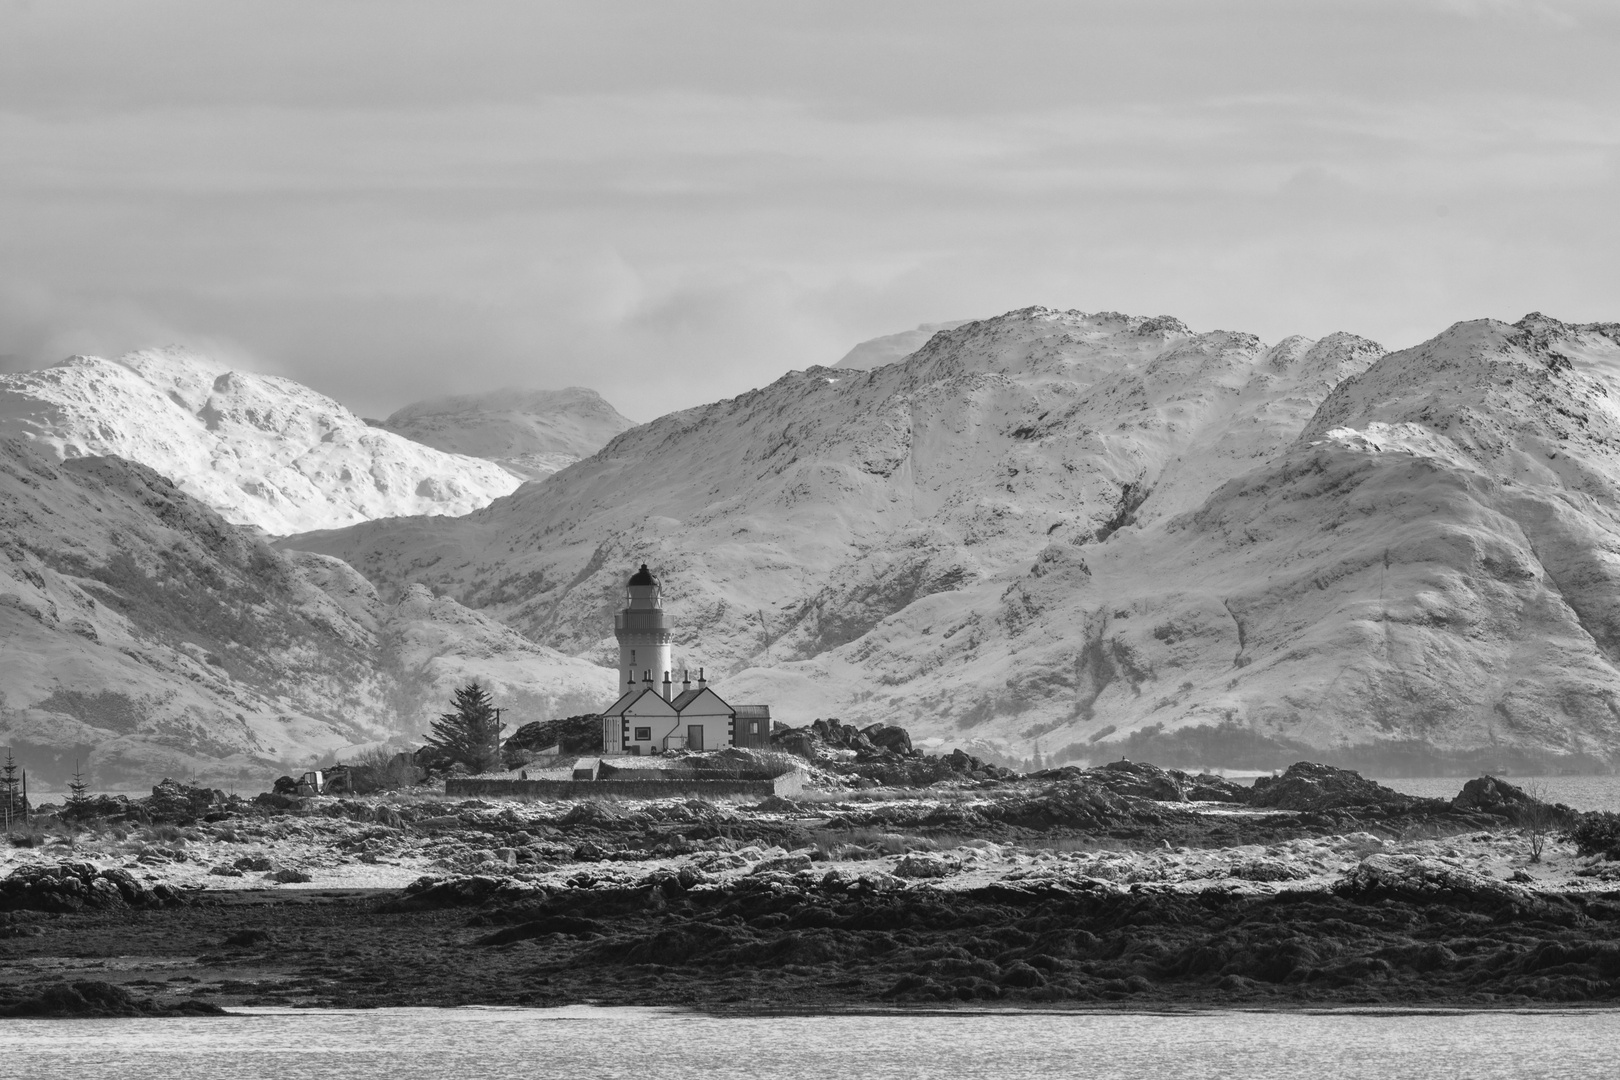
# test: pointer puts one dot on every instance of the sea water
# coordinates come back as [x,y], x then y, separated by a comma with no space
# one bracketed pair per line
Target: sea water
[653,1044]
[1578,792]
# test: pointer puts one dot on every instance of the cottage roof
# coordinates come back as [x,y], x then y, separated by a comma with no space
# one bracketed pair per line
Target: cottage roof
[752,712]
[620,707]
[688,698]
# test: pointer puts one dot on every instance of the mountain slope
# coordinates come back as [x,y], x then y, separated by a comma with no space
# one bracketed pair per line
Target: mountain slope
[141,632]
[531,433]
[1424,578]
[259,449]
[800,526]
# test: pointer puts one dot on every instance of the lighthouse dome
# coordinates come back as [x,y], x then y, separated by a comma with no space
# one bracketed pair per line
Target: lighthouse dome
[643,577]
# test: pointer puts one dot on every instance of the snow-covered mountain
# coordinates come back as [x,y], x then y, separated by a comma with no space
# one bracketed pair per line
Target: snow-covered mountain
[1425,574]
[1103,533]
[532,433]
[1092,532]
[259,449]
[891,347]
[141,633]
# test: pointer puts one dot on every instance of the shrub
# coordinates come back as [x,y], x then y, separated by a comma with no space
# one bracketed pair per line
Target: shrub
[1597,833]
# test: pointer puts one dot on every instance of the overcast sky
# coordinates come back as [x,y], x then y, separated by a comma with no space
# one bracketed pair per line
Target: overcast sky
[672,202]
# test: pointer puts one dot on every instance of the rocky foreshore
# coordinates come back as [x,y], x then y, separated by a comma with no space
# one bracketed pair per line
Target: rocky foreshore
[1126,884]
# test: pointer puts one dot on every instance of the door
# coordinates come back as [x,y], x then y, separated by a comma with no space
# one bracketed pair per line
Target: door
[694,737]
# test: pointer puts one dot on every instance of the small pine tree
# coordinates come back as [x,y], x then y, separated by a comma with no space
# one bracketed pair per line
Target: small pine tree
[78,800]
[471,734]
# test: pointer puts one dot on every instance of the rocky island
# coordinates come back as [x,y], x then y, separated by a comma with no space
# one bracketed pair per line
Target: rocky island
[1125,885]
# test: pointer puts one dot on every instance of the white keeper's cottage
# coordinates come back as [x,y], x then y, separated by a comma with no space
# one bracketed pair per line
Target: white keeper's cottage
[650,715]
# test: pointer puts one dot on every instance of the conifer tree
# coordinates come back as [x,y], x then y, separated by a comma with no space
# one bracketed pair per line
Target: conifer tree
[78,800]
[471,734]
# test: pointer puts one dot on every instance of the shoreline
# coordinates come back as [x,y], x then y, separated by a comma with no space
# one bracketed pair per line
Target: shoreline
[1072,894]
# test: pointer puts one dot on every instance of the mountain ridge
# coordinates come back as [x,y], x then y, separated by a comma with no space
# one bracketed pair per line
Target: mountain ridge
[261,449]
[531,433]
[144,632]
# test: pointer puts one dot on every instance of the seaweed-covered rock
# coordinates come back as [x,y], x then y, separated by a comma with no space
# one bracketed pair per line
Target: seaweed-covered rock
[431,893]
[75,886]
[1415,877]
[88,998]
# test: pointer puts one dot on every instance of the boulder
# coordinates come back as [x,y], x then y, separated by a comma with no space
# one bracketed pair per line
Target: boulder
[890,737]
[1207,787]
[181,804]
[785,864]
[1312,787]
[919,864]
[1137,779]
[1487,794]
[797,741]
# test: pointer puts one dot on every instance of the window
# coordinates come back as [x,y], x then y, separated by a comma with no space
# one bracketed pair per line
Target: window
[643,734]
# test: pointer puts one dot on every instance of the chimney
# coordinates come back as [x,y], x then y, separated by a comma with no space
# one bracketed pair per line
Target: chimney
[646,676]
[686,679]
[702,682]
[666,686]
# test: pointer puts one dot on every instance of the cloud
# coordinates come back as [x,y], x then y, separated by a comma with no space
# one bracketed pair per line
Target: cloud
[674,203]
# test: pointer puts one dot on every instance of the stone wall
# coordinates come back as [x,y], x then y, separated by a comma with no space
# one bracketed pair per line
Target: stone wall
[789,783]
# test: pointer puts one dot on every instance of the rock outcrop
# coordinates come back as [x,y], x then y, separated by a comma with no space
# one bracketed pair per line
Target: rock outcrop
[69,887]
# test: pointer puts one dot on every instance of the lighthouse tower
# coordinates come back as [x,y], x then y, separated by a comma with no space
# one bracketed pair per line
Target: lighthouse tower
[643,632]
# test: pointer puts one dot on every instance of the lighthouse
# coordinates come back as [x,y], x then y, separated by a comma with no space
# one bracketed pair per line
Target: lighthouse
[658,710]
[642,628]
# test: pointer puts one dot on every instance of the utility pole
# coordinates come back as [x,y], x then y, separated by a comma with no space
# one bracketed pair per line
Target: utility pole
[495,750]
